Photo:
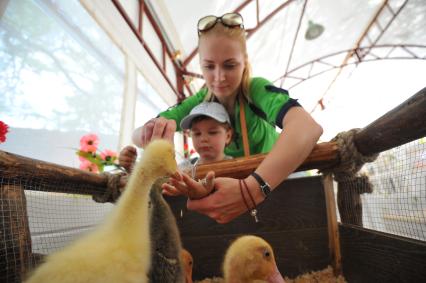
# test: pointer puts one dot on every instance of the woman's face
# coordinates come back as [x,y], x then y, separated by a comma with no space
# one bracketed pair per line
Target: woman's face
[209,138]
[222,63]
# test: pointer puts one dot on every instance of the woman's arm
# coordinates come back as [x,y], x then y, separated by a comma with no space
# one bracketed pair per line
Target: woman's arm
[299,136]
[296,141]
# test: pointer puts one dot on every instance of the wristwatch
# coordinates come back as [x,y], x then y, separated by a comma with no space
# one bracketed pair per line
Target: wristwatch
[264,186]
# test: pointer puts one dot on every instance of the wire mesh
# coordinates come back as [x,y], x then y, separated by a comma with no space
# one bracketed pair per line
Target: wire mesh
[397,202]
[35,222]
[38,217]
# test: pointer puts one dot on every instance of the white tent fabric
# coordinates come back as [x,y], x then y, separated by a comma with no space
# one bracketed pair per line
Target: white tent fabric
[348,24]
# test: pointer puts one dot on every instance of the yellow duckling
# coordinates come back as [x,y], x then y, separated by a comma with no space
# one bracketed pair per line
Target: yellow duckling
[118,251]
[250,259]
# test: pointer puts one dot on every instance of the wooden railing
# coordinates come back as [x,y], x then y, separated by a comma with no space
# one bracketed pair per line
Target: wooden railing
[405,123]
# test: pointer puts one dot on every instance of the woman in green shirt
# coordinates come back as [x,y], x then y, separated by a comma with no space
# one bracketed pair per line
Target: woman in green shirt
[226,70]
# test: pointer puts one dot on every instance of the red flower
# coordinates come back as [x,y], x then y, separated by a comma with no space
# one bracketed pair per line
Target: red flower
[4,129]
[89,143]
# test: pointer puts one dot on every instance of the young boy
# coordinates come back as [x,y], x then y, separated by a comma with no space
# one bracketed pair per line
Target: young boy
[211,131]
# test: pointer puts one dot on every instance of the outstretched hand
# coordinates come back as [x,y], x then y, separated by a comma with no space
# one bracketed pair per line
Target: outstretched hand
[184,185]
[217,198]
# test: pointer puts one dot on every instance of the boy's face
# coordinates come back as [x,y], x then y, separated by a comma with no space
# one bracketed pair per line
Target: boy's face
[209,138]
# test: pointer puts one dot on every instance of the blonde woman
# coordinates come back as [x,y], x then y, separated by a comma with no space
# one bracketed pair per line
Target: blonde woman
[226,70]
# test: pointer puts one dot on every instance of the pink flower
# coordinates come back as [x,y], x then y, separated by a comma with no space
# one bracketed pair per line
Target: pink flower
[109,155]
[89,166]
[4,128]
[90,159]
[89,143]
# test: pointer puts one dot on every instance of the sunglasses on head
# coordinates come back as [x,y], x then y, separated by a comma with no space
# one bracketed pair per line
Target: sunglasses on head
[230,20]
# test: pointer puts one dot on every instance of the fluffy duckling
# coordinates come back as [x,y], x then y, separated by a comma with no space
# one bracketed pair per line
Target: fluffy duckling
[250,259]
[119,249]
[188,263]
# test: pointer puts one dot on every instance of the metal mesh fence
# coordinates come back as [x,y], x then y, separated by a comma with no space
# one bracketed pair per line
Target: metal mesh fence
[35,222]
[397,202]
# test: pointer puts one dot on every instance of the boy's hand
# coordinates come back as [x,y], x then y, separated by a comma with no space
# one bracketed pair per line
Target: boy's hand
[127,158]
[185,185]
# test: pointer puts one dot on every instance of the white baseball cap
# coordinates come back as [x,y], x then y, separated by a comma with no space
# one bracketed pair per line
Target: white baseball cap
[210,109]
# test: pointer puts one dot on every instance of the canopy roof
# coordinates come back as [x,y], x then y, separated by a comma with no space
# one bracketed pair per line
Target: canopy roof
[354,32]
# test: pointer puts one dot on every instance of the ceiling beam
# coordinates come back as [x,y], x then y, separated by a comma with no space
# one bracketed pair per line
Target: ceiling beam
[364,35]
[295,39]
[412,51]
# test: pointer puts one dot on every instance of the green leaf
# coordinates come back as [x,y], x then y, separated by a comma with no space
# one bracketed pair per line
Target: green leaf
[96,159]
[100,167]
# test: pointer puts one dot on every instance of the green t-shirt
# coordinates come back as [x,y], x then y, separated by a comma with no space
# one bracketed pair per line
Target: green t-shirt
[272,101]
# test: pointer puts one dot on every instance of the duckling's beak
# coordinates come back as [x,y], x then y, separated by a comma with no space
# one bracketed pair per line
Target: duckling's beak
[276,277]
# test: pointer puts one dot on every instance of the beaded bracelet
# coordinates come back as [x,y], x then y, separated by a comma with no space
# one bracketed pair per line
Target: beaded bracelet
[253,211]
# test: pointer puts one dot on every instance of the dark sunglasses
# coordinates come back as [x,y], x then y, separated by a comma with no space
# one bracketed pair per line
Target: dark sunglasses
[230,20]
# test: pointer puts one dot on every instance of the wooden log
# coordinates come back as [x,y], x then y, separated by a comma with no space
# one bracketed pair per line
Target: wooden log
[324,155]
[405,123]
[14,166]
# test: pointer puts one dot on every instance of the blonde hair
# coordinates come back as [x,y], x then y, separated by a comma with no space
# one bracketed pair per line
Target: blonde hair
[238,34]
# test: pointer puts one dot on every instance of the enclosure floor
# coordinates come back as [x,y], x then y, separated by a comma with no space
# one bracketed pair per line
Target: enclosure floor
[324,276]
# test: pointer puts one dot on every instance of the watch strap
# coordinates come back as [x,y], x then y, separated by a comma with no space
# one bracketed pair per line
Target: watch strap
[264,186]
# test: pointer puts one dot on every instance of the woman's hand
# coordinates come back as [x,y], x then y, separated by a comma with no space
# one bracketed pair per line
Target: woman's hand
[156,128]
[185,185]
[226,202]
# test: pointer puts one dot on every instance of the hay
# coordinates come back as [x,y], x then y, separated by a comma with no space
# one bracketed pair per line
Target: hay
[323,276]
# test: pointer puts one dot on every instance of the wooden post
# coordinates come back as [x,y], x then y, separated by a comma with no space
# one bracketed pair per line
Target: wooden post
[15,234]
[349,203]
[333,230]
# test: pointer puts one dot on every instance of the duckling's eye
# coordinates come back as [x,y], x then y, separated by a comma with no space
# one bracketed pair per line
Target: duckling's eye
[190,262]
[266,253]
